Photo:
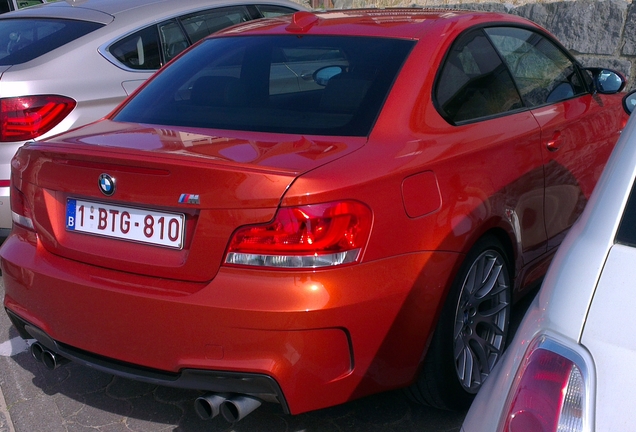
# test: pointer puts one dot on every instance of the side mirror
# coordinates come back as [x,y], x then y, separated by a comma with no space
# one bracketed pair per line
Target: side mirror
[323,75]
[629,102]
[606,81]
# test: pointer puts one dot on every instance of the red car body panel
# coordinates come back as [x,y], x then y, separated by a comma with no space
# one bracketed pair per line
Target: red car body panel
[310,331]
[248,175]
[325,336]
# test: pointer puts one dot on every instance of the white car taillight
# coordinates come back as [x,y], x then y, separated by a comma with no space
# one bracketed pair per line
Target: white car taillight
[20,210]
[552,391]
[27,117]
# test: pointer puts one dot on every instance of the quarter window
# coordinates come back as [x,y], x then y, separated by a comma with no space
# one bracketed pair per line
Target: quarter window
[152,47]
[173,40]
[627,229]
[203,24]
[541,70]
[139,51]
[473,82]
[269,11]
[26,3]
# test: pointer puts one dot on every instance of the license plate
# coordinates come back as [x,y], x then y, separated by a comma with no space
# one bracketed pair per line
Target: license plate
[125,223]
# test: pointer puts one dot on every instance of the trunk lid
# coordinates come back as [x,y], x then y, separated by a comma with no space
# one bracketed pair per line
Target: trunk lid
[218,182]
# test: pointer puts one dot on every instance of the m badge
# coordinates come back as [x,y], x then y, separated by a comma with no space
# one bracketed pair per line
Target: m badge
[189,199]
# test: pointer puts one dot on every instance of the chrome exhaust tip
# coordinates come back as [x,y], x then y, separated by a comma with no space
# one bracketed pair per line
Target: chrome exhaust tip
[53,360]
[47,357]
[238,407]
[37,350]
[208,406]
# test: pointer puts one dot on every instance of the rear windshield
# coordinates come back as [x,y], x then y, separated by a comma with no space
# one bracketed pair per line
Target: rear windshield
[319,85]
[22,40]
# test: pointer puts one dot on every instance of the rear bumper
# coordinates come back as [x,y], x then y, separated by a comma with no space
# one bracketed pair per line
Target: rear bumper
[306,339]
[260,386]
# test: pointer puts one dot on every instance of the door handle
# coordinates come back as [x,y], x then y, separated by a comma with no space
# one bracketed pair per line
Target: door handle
[555,143]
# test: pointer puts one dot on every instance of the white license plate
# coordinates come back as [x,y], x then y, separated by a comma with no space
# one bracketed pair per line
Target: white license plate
[126,223]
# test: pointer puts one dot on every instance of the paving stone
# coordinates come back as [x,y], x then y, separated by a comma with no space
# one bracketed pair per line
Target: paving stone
[148,414]
[37,414]
[118,427]
[82,380]
[100,410]
[175,395]
[122,388]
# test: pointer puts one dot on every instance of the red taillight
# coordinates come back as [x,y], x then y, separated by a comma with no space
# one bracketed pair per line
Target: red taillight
[310,236]
[20,210]
[549,397]
[28,117]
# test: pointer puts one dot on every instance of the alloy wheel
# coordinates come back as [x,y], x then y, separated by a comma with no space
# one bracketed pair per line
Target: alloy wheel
[481,319]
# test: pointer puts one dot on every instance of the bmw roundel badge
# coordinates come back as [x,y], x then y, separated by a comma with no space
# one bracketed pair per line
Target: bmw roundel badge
[106,184]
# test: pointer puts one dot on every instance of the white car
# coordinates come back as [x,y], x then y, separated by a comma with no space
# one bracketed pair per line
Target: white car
[570,366]
[68,63]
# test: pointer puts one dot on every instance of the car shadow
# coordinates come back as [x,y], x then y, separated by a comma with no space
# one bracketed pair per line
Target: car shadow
[89,398]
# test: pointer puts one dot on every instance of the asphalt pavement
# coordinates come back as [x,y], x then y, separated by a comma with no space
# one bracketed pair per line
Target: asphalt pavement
[75,398]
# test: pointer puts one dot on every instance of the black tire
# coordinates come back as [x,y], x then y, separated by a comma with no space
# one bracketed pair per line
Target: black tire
[471,332]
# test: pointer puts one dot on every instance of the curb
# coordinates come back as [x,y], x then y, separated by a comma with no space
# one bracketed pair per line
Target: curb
[6,425]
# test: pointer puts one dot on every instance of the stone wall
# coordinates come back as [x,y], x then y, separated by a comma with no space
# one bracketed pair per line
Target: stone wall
[598,32]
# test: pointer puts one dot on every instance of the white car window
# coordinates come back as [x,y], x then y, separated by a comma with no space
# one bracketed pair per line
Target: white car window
[203,24]
[22,40]
[139,50]
[173,40]
[26,3]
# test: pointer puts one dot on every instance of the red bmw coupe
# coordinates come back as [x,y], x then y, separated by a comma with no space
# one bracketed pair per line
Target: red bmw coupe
[309,209]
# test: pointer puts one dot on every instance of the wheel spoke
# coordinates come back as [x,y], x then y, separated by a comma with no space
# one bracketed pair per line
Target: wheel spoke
[459,347]
[487,264]
[471,281]
[459,326]
[469,364]
[494,310]
[481,357]
[490,281]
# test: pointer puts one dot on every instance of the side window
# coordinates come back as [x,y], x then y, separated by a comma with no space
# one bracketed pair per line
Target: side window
[138,51]
[24,39]
[542,71]
[26,3]
[627,229]
[473,82]
[202,24]
[5,6]
[269,11]
[173,40]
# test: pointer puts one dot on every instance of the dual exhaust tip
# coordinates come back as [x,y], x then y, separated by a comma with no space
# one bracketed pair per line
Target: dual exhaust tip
[232,408]
[50,359]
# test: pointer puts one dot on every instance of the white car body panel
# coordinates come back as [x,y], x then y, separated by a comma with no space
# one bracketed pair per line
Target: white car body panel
[586,301]
[609,336]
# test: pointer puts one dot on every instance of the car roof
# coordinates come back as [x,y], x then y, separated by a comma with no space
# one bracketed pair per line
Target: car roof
[392,22]
[105,11]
